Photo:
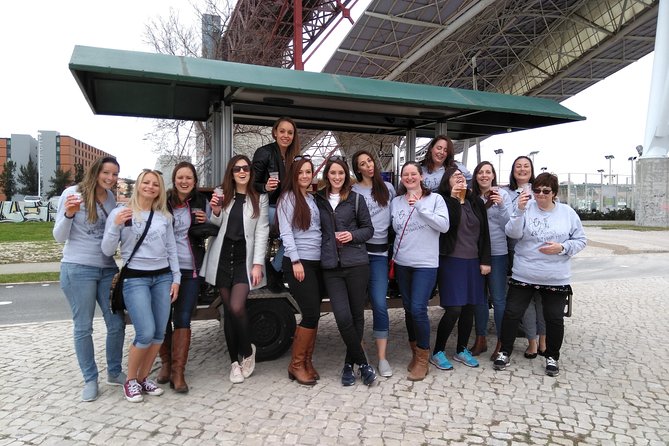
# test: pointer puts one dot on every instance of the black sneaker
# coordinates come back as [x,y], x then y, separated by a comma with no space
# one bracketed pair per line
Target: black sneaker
[347,376]
[552,368]
[367,374]
[501,361]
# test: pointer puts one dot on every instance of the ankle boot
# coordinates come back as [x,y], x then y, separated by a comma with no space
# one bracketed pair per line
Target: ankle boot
[296,368]
[308,357]
[480,346]
[180,346]
[165,353]
[412,363]
[498,347]
[420,369]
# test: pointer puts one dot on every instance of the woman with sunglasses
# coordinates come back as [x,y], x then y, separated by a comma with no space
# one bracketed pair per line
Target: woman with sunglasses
[522,177]
[378,194]
[548,234]
[498,208]
[464,260]
[236,257]
[300,226]
[152,276]
[440,154]
[269,170]
[346,226]
[418,218]
[189,209]
[86,273]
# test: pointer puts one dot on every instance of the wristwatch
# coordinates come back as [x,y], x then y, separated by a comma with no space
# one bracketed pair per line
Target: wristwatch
[563,252]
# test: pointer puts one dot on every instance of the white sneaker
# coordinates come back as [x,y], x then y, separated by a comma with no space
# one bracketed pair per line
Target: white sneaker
[236,375]
[249,363]
[384,369]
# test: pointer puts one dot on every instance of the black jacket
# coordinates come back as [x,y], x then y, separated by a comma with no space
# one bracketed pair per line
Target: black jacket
[267,159]
[197,244]
[344,218]
[447,239]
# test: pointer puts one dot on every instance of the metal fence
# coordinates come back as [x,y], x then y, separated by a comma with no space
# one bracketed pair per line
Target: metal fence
[597,191]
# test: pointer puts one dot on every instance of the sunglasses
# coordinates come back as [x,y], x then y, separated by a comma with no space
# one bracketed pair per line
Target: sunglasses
[337,158]
[152,171]
[546,191]
[244,168]
[302,157]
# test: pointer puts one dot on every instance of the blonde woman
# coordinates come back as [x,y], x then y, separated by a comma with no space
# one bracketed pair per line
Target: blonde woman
[152,277]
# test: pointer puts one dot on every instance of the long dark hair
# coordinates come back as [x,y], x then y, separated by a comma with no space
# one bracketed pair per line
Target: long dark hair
[445,188]
[429,162]
[401,190]
[476,189]
[294,147]
[380,192]
[90,182]
[346,187]
[228,184]
[513,184]
[302,213]
[172,195]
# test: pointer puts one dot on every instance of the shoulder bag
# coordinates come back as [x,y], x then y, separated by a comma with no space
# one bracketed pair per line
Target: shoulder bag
[116,291]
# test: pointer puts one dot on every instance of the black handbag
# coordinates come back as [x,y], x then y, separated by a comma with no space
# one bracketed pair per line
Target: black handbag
[116,301]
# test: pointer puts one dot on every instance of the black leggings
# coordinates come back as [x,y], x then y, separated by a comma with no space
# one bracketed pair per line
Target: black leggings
[235,320]
[464,316]
[307,293]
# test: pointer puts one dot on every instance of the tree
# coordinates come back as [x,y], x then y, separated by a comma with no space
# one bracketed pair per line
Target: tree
[8,180]
[28,178]
[59,181]
[78,173]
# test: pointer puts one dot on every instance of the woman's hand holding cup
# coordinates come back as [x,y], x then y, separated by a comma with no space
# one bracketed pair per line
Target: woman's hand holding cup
[272,182]
[73,204]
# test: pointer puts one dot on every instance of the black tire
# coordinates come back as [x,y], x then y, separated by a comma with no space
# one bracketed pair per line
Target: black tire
[272,325]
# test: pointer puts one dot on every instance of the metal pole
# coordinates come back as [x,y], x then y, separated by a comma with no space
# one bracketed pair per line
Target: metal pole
[297,35]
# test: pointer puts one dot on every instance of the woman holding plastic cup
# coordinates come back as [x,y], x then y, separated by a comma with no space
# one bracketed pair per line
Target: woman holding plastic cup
[464,260]
[521,179]
[189,208]
[269,170]
[86,273]
[498,206]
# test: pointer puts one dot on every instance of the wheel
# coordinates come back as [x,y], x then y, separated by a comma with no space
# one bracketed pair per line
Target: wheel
[272,325]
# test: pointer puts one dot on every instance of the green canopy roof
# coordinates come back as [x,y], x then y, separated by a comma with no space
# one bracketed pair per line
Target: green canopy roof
[128,83]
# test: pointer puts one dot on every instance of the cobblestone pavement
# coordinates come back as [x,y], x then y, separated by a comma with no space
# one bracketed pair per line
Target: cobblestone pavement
[613,388]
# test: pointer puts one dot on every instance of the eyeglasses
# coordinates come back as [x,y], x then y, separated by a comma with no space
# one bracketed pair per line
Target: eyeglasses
[546,191]
[244,168]
[337,158]
[152,171]
[302,157]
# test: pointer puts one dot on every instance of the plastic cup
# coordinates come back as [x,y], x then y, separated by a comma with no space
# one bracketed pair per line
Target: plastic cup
[274,175]
[461,194]
[527,188]
[77,195]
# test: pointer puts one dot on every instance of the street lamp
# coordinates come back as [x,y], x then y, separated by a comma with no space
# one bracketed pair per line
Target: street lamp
[532,155]
[601,189]
[499,152]
[631,160]
[609,157]
[639,149]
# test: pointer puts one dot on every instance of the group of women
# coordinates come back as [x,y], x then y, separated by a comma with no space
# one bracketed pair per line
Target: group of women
[335,242]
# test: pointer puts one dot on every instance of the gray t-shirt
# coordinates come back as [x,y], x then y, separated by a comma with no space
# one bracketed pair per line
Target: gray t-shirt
[380,214]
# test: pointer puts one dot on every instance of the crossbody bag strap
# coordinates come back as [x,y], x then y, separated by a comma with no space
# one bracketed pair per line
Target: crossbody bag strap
[141,238]
[402,235]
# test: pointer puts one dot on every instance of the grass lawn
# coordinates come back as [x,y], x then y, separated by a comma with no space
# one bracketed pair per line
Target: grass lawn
[27,231]
[29,277]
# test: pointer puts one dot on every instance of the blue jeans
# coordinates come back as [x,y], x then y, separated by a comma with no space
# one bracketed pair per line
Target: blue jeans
[416,285]
[187,301]
[83,287]
[147,300]
[497,288]
[378,292]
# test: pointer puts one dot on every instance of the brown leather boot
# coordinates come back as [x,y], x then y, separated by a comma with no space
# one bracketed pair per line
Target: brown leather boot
[308,357]
[480,346]
[180,346]
[498,347]
[412,363]
[421,368]
[297,369]
[165,353]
